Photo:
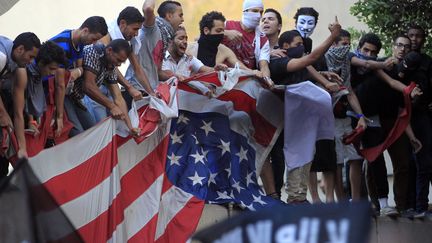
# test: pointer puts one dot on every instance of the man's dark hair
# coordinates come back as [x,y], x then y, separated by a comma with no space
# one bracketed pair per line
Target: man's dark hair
[208,20]
[370,38]
[287,37]
[343,33]
[400,35]
[413,26]
[306,11]
[50,52]
[131,15]
[119,45]
[167,7]
[28,40]
[278,15]
[95,25]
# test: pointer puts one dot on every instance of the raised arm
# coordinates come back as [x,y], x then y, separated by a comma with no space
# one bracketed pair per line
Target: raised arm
[300,63]
[149,14]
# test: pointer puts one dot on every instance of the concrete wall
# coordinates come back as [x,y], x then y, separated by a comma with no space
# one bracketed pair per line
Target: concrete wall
[48,17]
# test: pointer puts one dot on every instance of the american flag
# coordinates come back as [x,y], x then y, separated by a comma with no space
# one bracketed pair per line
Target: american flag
[117,189]
[109,185]
[217,146]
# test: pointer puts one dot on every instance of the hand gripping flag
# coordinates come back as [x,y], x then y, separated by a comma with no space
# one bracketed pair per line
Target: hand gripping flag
[109,185]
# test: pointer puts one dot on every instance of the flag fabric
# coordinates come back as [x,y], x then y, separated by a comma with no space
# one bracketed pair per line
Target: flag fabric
[217,146]
[402,121]
[28,211]
[308,118]
[116,188]
[108,184]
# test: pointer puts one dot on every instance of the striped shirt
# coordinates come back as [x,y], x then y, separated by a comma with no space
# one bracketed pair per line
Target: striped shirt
[64,40]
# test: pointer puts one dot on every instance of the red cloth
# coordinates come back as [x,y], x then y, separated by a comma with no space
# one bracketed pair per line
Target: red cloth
[36,144]
[245,49]
[150,118]
[353,137]
[398,128]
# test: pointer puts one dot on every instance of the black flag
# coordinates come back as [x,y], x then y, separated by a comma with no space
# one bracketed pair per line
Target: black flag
[28,212]
[338,223]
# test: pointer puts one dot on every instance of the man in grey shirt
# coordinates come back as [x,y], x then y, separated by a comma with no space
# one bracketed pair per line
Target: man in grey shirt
[155,36]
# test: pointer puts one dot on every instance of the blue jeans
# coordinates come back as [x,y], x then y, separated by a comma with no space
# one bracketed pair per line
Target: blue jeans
[78,116]
[98,111]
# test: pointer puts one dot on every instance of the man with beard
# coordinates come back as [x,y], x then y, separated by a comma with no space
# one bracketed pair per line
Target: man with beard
[73,42]
[183,66]
[157,33]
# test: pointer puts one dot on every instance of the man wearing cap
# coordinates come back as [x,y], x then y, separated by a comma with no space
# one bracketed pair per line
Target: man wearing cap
[246,40]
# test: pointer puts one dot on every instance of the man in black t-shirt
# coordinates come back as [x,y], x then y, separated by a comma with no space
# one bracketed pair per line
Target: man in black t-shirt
[291,70]
[368,88]
[392,101]
[420,120]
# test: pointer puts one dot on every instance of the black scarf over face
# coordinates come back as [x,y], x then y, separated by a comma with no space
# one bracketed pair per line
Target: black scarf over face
[208,48]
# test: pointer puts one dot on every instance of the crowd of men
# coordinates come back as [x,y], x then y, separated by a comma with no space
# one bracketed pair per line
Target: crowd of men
[65,85]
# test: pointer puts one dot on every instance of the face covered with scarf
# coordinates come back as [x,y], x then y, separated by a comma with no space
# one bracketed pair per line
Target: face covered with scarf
[295,48]
[252,12]
[337,61]
[209,42]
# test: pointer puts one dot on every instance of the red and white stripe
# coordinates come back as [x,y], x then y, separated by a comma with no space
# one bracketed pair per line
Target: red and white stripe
[114,189]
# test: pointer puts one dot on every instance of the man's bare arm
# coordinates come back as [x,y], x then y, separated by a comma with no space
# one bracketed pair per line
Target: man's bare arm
[20,84]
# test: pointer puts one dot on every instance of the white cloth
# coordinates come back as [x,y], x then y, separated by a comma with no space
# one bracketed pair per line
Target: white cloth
[308,118]
[115,33]
[248,4]
[261,53]
[187,66]
[344,152]
[3,59]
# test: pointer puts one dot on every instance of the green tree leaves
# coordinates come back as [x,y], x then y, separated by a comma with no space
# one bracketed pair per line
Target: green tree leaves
[387,18]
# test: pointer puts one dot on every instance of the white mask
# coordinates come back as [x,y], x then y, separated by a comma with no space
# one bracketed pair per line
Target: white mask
[306,25]
[251,20]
